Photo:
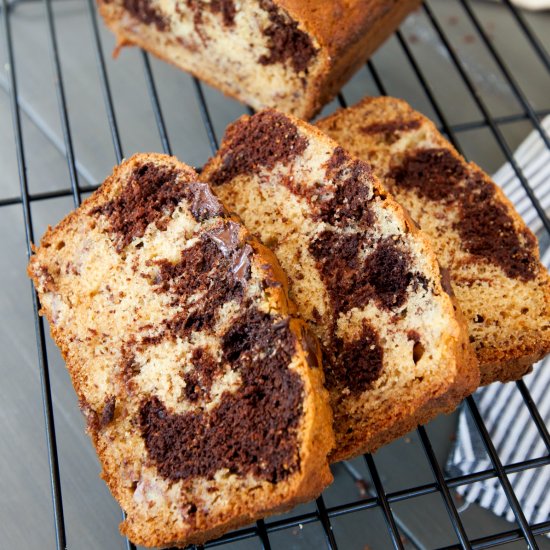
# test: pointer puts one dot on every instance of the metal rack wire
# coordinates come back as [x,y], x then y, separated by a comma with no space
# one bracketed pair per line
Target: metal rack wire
[380,498]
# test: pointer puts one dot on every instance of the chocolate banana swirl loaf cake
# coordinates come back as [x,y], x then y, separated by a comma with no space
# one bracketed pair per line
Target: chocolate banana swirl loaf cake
[203,391]
[362,275]
[294,55]
[492,257]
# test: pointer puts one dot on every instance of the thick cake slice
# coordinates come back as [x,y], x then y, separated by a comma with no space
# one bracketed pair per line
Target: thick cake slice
[202,389]
[364,278]
[493,258]
[291,54]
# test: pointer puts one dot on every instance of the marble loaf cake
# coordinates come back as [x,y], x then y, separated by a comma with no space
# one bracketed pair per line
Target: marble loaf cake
[493,259]
[290,54]
[364,278]
[202,390]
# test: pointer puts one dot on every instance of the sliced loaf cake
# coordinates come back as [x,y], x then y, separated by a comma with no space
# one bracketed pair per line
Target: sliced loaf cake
[493,258]
[291,54]
[202,389]
[363,277]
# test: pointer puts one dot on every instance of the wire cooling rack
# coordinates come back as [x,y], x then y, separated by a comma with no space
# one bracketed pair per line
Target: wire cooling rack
[375,494]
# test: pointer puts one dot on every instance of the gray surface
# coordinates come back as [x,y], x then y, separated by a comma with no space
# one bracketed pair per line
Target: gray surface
[91,514]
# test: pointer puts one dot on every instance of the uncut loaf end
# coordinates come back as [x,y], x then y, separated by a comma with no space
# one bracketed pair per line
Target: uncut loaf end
[294,55]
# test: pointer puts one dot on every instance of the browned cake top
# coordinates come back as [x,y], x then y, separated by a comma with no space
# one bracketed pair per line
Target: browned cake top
[337,24]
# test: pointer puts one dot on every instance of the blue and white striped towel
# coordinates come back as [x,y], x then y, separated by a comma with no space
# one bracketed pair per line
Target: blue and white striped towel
[508,421]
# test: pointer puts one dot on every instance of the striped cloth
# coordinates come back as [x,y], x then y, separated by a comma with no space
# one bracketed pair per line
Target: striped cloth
[501,406]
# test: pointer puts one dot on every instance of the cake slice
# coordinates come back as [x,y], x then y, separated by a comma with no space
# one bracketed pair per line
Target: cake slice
[363,277]
[291,54]
[493,258]
[202,390]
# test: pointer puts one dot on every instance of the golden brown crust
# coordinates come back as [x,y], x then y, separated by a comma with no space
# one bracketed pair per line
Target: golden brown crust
[521,338]
[353,32]
[315,426]
[347,32]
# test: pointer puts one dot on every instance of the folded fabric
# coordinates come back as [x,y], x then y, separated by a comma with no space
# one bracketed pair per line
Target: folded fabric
[514,434]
